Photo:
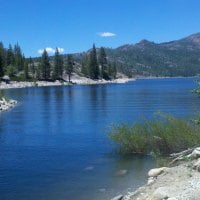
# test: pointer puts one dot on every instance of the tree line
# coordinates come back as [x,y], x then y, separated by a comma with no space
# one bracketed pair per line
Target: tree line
[94,65]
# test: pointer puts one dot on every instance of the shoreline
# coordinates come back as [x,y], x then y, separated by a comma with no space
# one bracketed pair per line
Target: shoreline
[6,104]
[77,81]
[85,81]
[179,181]
[165,77]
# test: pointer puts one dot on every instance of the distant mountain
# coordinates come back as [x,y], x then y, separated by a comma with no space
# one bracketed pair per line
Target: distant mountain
[146,58]
[175,58]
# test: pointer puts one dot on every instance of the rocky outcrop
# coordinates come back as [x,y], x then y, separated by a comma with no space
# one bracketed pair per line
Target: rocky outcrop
[6,104]
[157,171]
[179,182]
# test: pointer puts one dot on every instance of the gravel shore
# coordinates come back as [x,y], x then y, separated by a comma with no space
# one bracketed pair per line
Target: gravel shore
[180,182]
[80,81]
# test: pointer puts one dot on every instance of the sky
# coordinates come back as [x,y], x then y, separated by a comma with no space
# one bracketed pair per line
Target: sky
[74,25]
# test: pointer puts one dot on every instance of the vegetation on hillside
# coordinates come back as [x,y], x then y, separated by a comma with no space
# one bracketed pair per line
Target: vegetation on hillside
[175,58]
[93,65]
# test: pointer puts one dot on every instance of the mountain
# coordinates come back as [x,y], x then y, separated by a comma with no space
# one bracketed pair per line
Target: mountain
[174,58]
[147,58]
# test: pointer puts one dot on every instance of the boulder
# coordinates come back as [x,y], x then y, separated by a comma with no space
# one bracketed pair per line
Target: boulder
[121,172]
[119,197]
[151,180]
[157,171]
[195,154]
[197,165]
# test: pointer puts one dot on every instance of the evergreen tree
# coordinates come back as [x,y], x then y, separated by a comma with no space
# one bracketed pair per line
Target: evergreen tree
[93,68]
[58,65]
[2,59]
[32,67]
[103,63]
[38,71]
[18,57]
[112,70]
[45,66]
[69,66]
[26,75]
[84,65]
[10,56]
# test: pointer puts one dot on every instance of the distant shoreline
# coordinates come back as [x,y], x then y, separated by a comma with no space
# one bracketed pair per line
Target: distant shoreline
[85,81]
[165,77]
[77,81]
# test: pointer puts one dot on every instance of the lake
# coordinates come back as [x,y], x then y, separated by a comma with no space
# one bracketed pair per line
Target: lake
[53,144]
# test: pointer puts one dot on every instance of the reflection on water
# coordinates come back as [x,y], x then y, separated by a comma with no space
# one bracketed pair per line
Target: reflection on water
[53,143]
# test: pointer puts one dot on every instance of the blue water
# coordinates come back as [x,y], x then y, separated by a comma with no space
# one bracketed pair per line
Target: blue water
[53,144]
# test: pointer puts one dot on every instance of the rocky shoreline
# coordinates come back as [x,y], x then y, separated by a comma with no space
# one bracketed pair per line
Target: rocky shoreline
[181,181]
[83,81]
[6,104]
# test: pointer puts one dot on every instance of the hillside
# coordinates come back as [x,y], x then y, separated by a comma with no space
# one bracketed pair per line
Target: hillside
[175,58]
[147,58]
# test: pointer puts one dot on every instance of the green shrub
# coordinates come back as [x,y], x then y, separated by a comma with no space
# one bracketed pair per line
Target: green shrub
[3,96]
[163,135]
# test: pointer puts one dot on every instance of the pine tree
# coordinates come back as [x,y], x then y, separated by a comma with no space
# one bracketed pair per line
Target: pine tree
[58,65]
[112,70]
[2,59]
[38,71]
[93,68]
[103,63]
[10,56]
[26,74]
[18,57]
[84,65]
[45,66]
[69,66]
[32,66]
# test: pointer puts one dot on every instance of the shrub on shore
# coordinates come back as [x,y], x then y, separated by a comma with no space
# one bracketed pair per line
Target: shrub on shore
[163,135]
[2,96]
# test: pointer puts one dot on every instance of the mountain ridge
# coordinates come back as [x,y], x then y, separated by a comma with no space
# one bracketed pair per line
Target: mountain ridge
[173,58]
[147,58]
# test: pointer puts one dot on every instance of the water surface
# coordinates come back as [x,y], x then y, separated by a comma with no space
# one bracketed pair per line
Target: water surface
[53,144]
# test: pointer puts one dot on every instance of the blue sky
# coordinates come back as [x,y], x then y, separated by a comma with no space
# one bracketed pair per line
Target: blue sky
[74,25]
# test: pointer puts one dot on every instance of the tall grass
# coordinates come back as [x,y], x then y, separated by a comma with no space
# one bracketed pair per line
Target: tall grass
[162,135]
[3,96]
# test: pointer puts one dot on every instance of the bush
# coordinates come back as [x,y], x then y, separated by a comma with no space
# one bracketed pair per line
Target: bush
[163,135]
[3,96]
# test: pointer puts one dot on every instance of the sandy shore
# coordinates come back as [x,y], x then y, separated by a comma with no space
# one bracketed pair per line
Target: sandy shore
[82,81]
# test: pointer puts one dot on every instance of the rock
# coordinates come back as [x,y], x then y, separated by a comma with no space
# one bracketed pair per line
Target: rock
[161,193]
[119,197]
[102,190]
[195,154]
[151,180]
[121,172]
[157,171]
[6,104]
[89,168]
[197,165]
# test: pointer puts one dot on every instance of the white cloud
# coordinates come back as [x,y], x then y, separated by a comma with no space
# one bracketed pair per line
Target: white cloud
[51,50]
[61,50]
[106,34]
